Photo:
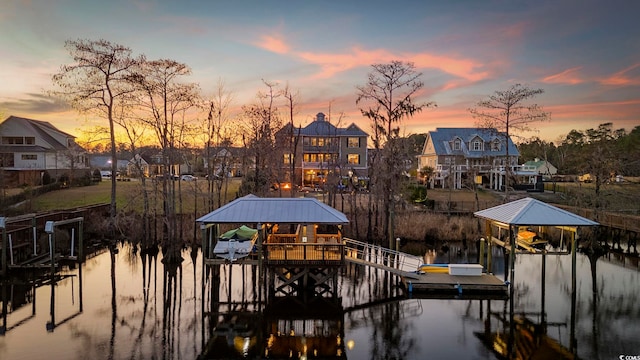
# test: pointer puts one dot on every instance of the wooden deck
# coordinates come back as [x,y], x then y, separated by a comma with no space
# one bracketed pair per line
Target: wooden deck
[435,282]
[309,254]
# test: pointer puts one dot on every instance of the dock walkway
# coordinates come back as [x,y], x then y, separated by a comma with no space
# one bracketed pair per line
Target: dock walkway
[445,283]
[406,267]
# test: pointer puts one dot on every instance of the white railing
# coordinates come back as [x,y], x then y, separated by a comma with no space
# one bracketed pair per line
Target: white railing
[379,255]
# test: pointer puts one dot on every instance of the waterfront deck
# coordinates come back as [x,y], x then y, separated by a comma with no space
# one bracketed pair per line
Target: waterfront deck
[445,283]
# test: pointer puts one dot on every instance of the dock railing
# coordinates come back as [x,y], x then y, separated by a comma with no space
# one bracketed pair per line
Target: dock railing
[381,257]
[304,252]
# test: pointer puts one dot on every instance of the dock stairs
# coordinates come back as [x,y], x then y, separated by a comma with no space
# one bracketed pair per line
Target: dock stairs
[395,262]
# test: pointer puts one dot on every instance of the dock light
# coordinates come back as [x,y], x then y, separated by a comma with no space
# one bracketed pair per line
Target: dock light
[351,344]
[48,227]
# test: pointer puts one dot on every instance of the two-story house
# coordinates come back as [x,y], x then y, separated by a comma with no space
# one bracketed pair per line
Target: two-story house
[322,149]
[29,147]
[463,156]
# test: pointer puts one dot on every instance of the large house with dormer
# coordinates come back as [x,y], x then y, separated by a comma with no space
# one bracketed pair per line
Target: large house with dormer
[323,149]
[463,156]
[29,148]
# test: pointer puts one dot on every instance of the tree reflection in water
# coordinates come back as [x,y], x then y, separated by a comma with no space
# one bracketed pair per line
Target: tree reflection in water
[127,314]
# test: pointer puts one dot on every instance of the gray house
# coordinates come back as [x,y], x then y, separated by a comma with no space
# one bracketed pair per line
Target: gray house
[460,156]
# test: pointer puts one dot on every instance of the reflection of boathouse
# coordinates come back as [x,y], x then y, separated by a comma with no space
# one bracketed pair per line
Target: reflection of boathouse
[313,329]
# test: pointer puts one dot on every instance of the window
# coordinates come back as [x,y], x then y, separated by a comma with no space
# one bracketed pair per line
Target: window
[495,145]
[456,145]
[29,157]
[288,158]
[353,159]
[353,142]
[477,145]
[30,140]
[12,140]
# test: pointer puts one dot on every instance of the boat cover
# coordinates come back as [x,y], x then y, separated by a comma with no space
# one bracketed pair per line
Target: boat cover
[243,233]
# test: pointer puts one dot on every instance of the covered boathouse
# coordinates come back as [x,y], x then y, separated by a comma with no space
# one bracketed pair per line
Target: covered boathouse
[299,246]
[522,226]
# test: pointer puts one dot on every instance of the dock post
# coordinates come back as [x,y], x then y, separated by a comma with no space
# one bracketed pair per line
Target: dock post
[481,257]
[73,239]
[80,242]
[11,249]
[49,229]
[260,261]
[397,264]
[489,251]
[205,252]
[3,226]
[512,260]
[572,333]
[35,236]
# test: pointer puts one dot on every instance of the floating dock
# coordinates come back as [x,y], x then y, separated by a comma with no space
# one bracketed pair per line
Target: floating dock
[455,284]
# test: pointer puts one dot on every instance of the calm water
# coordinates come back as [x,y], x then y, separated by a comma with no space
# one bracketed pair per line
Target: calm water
[132,307]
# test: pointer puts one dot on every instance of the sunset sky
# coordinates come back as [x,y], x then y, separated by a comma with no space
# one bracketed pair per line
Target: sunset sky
[584,54]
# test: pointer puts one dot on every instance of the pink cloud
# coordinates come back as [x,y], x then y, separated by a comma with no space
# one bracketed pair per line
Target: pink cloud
[332,64]
[274,44]
[623,77]
[568,76]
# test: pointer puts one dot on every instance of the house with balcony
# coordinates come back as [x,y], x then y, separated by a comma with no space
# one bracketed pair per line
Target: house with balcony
[463,156]
[30,148]
[320,150]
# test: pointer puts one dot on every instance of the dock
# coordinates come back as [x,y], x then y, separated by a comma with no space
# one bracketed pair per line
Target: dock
[458,284]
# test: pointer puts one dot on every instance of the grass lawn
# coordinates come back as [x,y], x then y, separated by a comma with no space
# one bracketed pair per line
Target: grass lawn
[128,196]
[617,197]
[624,197]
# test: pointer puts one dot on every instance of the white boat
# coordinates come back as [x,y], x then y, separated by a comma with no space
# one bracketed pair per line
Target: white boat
[236,243]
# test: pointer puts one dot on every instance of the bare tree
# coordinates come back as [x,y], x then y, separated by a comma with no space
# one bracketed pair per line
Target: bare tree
[134,132]
[165,99]
[389,94]
[262,120]
[218,144]
[506,111]
[95,82]
[293,136]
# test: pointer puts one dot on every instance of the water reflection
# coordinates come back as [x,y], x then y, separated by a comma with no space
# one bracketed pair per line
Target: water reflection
[129,305]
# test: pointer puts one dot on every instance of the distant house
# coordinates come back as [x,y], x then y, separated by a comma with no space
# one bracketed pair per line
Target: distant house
[29,148]
[138,167]
[540,167]
[321,149]
[229,161]
[103,163]
[461,156]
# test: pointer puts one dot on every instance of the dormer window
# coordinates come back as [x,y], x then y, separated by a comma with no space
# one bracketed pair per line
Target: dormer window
[456,144]
[495,145]
[476,145]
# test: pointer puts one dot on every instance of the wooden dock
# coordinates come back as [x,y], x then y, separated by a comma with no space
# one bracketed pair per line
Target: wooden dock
[460,284]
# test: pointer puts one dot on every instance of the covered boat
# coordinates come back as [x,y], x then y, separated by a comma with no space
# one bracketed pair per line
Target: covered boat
[236,243]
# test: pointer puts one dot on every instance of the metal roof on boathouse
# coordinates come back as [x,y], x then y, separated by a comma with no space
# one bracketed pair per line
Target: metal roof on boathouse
[253,209]
[529,211]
